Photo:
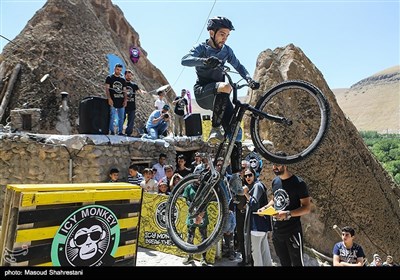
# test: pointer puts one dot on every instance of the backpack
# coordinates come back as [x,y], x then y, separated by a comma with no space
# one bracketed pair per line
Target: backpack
[134,54]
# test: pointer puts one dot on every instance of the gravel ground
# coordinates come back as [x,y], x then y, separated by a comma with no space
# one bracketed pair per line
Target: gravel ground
[147,257]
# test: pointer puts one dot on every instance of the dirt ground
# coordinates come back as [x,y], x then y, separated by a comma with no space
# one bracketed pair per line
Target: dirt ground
[147,257]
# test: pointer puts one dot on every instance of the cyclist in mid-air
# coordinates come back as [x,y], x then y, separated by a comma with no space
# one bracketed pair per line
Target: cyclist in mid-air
[211,91]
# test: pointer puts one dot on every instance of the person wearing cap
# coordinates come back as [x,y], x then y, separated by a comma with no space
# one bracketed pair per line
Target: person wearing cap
[157,124]
[389,261]
[163,187]
[347,252]
[376,260]
[180,103]
[197,161]
[159,103]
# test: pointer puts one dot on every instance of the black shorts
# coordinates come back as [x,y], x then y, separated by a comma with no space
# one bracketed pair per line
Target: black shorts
[205,95]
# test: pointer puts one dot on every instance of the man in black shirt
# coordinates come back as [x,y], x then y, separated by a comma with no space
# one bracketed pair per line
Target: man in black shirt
[130,109]
[117,98]
[291,200]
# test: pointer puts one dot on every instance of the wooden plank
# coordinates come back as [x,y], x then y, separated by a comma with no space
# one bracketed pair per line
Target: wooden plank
[10,87]
[128,235]
[45,264]
[4,223]
[57,215]
[2,74]
[71,187]
[125,250]
[131,261]
[26,235]
[51,198]
[128,222]
[12,224]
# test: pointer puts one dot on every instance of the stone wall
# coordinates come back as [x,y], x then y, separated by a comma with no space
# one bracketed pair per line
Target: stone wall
[38,158]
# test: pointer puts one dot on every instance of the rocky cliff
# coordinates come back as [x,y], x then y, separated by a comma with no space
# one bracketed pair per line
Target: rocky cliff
[70,40]
[347,185]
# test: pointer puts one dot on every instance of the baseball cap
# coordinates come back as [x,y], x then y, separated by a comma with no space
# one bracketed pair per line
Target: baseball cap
[163,181]
[128,71]
[166,107]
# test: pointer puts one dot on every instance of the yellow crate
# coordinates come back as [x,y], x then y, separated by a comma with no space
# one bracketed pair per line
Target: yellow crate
[70,224]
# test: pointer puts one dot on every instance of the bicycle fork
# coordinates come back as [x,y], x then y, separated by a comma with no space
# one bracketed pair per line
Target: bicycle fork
[204,193]
[236,118]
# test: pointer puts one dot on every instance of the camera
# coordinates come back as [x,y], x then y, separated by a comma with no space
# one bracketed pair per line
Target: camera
[166,116]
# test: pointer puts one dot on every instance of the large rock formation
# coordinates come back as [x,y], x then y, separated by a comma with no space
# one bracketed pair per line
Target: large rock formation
[70,40]
[347,185]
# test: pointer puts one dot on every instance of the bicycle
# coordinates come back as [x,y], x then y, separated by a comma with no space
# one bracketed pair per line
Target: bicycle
[293,116]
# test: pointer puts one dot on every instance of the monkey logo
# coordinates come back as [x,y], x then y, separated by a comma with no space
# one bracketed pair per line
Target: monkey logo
[161,215]
[281,199]
[88,237]
[117,87]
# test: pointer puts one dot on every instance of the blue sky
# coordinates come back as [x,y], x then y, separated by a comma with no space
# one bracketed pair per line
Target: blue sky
[346,40]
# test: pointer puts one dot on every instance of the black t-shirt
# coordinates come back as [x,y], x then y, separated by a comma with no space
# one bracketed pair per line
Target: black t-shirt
[180,106]
[287,194]
[131,87]
[183,172]
[116,86]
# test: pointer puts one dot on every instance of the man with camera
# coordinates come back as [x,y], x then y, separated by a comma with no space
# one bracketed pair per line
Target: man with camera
[157,124]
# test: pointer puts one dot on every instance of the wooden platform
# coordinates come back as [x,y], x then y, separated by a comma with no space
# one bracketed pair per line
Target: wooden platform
[70,224]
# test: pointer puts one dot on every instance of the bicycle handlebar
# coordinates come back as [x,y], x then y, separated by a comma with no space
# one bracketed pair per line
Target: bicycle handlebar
[235,86]
[226,70]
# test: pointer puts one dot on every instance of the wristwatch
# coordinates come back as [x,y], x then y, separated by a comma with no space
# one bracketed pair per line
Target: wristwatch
[288,215]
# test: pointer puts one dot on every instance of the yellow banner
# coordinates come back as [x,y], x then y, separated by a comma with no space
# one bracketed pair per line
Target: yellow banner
[153,232]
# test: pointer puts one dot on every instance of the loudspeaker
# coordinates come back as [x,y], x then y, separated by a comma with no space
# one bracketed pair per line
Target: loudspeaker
[193,125]
[94,115]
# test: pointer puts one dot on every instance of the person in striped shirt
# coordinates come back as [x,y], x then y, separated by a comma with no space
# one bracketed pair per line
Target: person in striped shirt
[134,176]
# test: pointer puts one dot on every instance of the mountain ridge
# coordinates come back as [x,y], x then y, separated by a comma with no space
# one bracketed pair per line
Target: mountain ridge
[373,103]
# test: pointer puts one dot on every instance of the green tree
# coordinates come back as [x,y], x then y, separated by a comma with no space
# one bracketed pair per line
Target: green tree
[386,148]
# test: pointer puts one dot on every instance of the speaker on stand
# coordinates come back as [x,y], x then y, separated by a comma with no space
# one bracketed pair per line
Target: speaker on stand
[94,115]
[193,125]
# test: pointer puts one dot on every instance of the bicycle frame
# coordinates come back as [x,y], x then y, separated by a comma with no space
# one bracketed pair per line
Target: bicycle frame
[238,113]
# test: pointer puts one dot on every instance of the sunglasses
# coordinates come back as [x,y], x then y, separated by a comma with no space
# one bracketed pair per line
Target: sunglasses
[94,236]
[248,175]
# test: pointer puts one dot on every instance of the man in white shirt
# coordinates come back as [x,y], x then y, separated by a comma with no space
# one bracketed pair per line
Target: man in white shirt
[160,167]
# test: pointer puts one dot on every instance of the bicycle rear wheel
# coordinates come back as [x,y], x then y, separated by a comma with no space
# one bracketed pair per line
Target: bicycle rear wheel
[307,110]
[177,215]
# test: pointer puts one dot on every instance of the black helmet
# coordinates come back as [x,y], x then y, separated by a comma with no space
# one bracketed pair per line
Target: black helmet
[219,22]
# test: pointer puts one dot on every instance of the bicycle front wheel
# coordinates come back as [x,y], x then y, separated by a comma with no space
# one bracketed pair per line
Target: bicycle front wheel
[178,220]
[305,111]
